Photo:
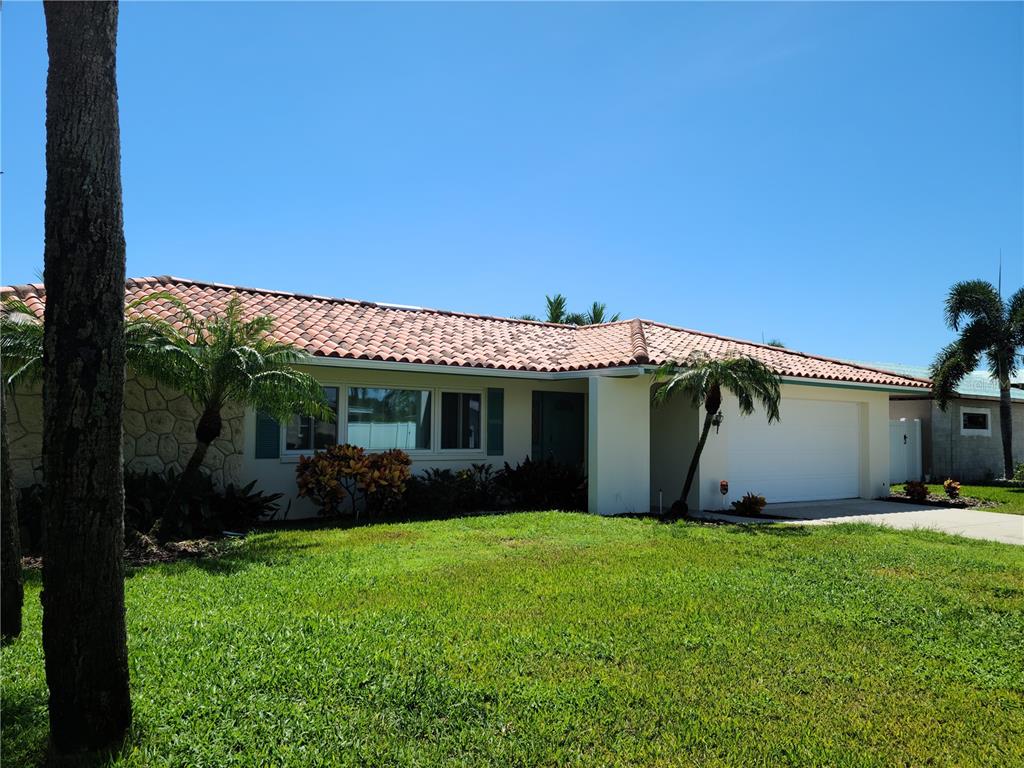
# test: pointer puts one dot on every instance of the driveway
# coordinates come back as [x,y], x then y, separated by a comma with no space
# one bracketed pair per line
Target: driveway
[975,524]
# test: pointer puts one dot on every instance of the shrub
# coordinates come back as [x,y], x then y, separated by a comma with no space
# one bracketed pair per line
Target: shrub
[444,493]
[376,481]
[952,488]
[384,479]
[206,510]
[917,490]
[1018,473]
[750,504]
[436,493]
[240,507]
[328,477]
[478,488]
[542,484]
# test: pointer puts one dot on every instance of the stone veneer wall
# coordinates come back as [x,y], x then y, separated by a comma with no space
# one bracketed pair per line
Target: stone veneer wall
[159,434]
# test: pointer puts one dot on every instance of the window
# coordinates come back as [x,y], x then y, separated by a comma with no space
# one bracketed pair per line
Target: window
[460,420]
[379,418]
[304,433]
[975,421]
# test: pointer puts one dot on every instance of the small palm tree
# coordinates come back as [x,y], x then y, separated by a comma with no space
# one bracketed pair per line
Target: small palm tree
[225,359]
[703,379]
[989,328]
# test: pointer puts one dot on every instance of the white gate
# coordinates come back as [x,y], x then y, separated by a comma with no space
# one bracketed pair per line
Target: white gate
[904,450]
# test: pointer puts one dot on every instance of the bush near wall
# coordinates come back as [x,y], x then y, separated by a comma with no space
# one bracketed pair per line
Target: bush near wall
[344,480]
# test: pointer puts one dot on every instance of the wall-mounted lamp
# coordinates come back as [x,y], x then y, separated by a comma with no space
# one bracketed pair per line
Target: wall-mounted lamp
[716,421]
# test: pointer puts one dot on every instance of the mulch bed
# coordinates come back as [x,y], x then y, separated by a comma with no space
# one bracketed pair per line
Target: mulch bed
[141,550]
[941,500]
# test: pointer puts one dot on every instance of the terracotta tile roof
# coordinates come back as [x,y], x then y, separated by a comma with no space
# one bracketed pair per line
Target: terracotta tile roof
[359,330]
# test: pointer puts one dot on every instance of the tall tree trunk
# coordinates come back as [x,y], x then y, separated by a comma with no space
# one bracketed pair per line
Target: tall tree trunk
[12,589]
[1006,427]
[84,638]
[695,461]
[208,429]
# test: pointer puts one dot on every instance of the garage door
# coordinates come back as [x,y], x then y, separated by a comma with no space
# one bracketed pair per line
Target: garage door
[812,453]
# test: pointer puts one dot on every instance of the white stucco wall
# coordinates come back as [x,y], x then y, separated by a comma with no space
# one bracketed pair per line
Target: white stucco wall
[874,449]
[619,445]
[278,475]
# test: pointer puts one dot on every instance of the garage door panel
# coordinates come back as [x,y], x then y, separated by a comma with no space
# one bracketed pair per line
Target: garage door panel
[812,453]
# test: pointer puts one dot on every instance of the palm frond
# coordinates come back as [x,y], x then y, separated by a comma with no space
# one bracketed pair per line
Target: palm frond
[752,382]
[951,365]
[975,300]
[556,308]
[1015,317]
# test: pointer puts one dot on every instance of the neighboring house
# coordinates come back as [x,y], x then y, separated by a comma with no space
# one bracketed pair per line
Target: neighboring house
[964,441]
[454,389]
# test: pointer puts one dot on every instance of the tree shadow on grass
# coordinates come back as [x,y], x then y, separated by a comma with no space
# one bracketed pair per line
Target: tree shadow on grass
[240,556]
[25,729]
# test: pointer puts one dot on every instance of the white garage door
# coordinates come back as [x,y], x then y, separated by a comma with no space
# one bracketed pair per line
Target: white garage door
[813,453]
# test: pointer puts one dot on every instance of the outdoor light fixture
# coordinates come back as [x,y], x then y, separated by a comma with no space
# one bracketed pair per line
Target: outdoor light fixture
[723,486]
[717,420]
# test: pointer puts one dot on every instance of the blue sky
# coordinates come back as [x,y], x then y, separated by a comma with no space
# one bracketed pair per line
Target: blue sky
[816,172]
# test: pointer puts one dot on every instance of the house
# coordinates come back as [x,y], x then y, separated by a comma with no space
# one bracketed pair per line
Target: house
[964,441]
[454,389]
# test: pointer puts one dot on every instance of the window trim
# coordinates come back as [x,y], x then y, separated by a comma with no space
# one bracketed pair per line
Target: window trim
[971,432]
[418,454]
[448,452]
[284,451]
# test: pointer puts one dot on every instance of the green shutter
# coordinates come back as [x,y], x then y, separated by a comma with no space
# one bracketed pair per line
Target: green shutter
[495,422]
[268,437]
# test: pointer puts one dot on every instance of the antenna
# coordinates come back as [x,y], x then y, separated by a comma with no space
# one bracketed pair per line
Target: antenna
[1000,273]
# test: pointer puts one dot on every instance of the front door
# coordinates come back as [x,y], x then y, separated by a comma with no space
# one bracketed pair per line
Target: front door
[558,427]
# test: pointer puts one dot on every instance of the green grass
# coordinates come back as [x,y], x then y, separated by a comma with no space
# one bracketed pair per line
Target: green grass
[1007,500]
[566,640]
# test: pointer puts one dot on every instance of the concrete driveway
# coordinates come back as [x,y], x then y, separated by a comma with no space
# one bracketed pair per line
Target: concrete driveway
[975,524]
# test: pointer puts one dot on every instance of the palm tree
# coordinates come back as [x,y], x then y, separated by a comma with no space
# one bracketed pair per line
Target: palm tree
[556,308]
[989,328]
[21,352]
[702,379]
[557,312]
[84,635]
[596,315]
[225,359]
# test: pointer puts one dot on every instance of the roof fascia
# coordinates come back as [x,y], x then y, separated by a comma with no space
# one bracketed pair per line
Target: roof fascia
[465,370]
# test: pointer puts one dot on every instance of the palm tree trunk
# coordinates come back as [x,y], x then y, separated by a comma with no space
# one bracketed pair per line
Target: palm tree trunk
[12,588]
[208,429]
[1006,428]
[695,461]
[84,639]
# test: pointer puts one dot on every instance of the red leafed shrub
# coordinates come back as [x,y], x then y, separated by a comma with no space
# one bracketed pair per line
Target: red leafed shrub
[916,490]
[952,488]
[341,472]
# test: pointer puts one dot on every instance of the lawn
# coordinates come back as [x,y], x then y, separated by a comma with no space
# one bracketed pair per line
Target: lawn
[1006,499]
[565,639]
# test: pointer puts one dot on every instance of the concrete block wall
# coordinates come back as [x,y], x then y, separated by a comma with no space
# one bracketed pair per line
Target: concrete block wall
[972,458]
